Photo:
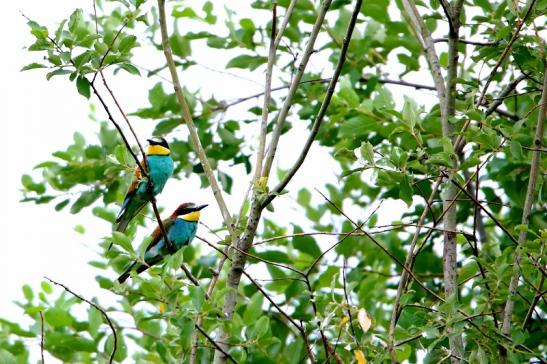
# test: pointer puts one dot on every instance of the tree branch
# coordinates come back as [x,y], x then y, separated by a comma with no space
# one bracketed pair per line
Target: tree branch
[322,111]
[470,42]
[42,336]
[103,312]
[283,113]
[190,123]
[505,52]
[244,244]
[528,203]
[212,341]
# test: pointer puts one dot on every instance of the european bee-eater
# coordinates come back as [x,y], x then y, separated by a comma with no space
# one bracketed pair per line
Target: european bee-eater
[180,227]
[160,168]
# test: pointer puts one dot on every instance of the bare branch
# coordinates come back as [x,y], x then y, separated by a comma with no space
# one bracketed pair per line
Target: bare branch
[103,312]
[470,42]
[322,111]
[539,294]
[505,52]
[267,96]
[527,209]
[42,336]
[204,333]
[283,113]
[190,123]
[424,37]
[348,303]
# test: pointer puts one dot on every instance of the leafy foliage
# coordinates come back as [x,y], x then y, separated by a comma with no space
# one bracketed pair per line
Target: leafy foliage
[388,147]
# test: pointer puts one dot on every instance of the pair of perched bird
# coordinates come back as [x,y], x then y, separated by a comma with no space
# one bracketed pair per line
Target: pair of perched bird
[180,227]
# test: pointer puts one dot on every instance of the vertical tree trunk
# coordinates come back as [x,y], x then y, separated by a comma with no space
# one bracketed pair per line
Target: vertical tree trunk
[528,202]
[450,253]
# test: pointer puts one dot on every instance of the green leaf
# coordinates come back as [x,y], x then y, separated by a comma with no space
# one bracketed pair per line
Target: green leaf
[180,45]
[57,317]
[85,199]
[46,287]
[347,92]
[186,12]
[253,309]
[198,297]
[127,43]
[246,61]
[304,197]
[61,205]
[122,240]
[367,152]
[6,357]
[57,72]
[261,327]
[516,149]
[95,319]
[209,16]
[410,113]
[27,292]
[32,66]
[84,87]
[405,190]
[305,244]
[129,68]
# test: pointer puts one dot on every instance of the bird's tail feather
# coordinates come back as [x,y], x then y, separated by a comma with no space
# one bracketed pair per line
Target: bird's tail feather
[140,268]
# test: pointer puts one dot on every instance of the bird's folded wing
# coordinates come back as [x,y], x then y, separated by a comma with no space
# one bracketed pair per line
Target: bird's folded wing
[157,235]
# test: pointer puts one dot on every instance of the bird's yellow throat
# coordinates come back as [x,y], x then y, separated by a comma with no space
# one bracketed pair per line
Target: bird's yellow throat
[157,150]
[192,216]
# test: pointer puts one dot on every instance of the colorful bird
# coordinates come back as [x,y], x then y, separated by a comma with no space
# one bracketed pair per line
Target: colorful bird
[180,227]
[160,168]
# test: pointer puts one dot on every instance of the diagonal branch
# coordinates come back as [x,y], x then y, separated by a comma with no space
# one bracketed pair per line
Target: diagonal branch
[212,341]
[425,39]
[196,142]
[103,312]
[322,111]
[284,112]
[505,53]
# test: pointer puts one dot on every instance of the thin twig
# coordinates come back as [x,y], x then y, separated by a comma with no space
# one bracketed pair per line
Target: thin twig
[103,312]
[267,98]
[539,294]
[283,113]
[505,52]
[212,341]
[42,336]
[348,303]
[470,42]
[323,110]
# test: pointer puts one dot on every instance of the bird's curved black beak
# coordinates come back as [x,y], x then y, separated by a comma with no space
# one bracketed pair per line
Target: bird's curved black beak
[201,207]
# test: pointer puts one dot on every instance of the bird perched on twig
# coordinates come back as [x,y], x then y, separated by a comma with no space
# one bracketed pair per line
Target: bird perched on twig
[159,168]
[180,228]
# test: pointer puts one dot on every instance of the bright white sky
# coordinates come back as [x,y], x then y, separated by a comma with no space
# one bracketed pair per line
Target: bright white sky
[40,117]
